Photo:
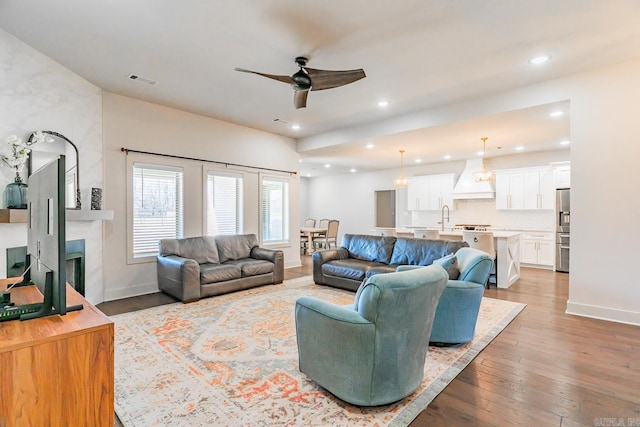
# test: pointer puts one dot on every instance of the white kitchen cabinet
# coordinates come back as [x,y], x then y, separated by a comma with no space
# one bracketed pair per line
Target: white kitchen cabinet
[563,176]
[539,189]
[509,190]
[524,189]
[440,191]
[430,192]
[537,249]
[418,194]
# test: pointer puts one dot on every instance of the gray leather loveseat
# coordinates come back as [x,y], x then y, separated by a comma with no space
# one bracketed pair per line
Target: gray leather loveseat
[198,267]
[362,256]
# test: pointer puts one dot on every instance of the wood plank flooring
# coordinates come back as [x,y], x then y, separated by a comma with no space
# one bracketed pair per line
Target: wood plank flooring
[547,368]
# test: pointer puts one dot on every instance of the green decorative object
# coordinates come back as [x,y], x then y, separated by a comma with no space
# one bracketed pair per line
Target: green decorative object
[16,194]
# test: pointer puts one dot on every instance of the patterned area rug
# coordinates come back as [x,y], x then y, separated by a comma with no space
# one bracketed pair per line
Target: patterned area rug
[232,360]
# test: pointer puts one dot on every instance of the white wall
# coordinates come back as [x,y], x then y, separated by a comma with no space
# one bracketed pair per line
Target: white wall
[143,126]
[605,146]
[37,93]
[604,194]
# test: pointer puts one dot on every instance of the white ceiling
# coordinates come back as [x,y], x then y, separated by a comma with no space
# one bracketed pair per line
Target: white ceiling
[418,54]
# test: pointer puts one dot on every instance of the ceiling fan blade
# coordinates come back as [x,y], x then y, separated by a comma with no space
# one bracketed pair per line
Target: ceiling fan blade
[327,79]
[300,98]
[284,79]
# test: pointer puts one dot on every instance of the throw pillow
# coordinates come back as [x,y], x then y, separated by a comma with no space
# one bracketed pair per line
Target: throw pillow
[449,263]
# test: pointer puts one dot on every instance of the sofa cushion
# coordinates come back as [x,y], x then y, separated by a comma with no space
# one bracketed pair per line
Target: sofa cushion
[369,248]
[201,249]
[214,273]
[252,267]
[354,269]
[449,263]
[236,246]
[410,251]
[380,269]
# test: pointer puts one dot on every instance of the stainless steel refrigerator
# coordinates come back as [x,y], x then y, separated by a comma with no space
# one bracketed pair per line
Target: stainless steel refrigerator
[563,229]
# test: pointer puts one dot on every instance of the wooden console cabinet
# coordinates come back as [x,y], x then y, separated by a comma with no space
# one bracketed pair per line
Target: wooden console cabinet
[56,370]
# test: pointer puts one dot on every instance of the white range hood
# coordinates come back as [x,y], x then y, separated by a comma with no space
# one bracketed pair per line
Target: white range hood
[468,188]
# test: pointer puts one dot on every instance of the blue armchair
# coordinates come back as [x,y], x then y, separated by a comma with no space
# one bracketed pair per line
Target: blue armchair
[372,352]
[457,312]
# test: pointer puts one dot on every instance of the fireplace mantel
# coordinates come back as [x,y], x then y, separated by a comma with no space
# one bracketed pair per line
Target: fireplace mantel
[20,215]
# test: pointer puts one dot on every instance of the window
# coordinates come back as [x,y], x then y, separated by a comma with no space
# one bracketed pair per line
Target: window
[224,203]
[274,210]
[157,207]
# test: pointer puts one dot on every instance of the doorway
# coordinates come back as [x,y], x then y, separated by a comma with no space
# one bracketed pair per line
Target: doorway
[385,212]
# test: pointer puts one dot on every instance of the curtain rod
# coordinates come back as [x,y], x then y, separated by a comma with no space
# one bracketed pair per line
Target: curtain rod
[227,164]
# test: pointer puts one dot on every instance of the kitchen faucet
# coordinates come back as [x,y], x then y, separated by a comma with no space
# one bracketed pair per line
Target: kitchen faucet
[442,216]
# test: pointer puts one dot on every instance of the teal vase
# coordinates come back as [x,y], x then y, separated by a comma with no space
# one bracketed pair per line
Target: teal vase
[16,194]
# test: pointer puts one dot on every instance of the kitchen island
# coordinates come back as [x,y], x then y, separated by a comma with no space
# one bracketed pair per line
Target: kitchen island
[507,245]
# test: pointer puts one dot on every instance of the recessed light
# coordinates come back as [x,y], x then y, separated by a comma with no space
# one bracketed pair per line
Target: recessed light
[327,165]
[295,127]
[565,142]
[383,104]
[557,113]
[539,59]
[308,175]
[353,171]
[418,160]
[369,146]
[519,148]
[480,153]
[447,156]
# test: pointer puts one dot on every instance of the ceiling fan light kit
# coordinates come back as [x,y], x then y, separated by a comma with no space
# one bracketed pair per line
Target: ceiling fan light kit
[306,79]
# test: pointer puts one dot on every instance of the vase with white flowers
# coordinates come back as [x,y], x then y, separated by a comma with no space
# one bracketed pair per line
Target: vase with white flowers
[15,154]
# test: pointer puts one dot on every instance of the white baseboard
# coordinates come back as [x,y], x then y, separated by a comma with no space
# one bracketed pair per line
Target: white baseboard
[131,291]
[604,313]
[294,263]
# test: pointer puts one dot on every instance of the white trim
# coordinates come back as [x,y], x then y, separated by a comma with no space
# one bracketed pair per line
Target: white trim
[130,291]
[604,313]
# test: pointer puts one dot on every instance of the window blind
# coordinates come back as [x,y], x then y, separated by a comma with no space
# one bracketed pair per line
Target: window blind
[157,207]
[274,210]
[224,203]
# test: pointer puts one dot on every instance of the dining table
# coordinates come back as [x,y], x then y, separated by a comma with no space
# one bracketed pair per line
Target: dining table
[310,233]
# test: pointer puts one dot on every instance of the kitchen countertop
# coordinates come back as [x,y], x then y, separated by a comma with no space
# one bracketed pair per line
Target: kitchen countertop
[411,228]
[450,232]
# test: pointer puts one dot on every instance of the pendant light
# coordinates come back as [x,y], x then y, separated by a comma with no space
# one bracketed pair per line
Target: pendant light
[484,175]
[401,181]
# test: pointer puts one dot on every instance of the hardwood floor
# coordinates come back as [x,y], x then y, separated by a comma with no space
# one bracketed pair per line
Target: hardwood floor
[547,368]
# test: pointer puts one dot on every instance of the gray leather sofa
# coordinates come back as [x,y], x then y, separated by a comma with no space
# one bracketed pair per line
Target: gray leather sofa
[198,267]
[362,256]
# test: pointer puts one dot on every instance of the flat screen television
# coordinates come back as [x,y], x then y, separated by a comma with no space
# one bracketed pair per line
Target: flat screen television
[46,238]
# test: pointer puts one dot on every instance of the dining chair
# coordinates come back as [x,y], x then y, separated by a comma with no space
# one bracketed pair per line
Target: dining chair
[484,241]
[323,223]
[426,234]
[304,237]
[330,238]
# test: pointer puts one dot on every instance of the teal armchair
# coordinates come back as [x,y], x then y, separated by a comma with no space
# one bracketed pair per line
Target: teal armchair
[458,308]
[372,352]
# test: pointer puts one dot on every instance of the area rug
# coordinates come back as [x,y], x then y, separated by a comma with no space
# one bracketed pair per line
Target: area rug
[232,360]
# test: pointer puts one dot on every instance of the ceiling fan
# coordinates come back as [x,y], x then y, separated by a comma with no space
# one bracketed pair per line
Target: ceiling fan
[307,79]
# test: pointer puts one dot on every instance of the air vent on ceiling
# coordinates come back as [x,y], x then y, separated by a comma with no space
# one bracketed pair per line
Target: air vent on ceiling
[144,80]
